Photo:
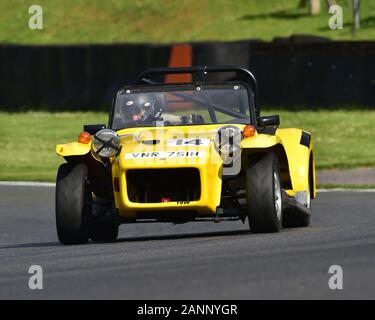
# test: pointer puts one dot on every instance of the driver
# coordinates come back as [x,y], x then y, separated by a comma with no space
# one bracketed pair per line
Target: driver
[143,109]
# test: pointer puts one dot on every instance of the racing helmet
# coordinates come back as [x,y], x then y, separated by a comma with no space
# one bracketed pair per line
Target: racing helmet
[142,107]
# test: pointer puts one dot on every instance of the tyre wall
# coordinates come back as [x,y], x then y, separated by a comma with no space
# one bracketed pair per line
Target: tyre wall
[295,72]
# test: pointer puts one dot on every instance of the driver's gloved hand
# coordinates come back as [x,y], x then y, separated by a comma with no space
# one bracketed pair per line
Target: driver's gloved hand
[192,119]
[184,120]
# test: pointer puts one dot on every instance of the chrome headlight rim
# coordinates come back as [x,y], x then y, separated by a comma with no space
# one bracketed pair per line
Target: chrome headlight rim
[227,151]
[106,144]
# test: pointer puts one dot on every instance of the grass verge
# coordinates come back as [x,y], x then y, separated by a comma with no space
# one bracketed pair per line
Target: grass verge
[342,139]
[113,21]
[29,139]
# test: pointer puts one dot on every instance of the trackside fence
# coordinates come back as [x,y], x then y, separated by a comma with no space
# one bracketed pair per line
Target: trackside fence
[311,73]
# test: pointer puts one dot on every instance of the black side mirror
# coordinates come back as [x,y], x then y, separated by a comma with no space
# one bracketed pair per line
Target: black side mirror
[269,121]
[93,128]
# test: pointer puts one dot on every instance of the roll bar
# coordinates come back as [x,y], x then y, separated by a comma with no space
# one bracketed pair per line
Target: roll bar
[199,74]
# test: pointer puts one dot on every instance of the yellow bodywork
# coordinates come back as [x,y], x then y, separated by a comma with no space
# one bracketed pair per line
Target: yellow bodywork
[210,165]
[298,156]
[73,149]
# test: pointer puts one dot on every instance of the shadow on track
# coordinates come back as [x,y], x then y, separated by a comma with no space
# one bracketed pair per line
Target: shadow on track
[184,236]
[132,239]
[30,245]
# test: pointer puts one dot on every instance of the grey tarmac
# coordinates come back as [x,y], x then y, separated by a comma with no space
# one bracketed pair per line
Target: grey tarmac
[189,261]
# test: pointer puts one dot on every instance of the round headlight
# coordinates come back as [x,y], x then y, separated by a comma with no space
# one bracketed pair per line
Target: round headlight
[227,143]
[106,143]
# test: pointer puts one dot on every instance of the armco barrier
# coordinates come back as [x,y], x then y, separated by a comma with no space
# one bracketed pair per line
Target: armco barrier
[290,72]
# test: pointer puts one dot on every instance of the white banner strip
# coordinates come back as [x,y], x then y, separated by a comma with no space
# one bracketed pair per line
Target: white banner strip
[27,184]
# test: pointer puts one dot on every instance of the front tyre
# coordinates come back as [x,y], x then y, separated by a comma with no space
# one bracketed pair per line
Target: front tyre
[71,211]
[264,202]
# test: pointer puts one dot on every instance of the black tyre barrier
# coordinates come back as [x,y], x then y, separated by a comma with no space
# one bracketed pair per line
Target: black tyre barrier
[295,72]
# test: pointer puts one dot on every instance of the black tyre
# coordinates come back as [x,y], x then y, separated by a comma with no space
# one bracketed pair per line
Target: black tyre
[264,203]
[71,212]
[103,232]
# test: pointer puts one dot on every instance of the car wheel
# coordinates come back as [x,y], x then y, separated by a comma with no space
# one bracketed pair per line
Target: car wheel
[71,211]
[103,232]
[264,202]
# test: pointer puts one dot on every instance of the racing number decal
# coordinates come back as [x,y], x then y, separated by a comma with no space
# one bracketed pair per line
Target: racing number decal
[181,142]
[189,142]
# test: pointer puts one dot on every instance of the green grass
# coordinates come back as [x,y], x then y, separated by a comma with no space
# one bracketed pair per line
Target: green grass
[342,139]
[112,21]
[28,142]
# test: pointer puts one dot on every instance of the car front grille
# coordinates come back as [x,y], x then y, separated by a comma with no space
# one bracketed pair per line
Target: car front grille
[163,185]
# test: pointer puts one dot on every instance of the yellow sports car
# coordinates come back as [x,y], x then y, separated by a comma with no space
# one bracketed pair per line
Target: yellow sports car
[181,152]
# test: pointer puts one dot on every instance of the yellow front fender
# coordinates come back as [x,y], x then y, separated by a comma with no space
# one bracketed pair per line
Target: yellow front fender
[297,155]
[260,141]
[73,149]
[298,158]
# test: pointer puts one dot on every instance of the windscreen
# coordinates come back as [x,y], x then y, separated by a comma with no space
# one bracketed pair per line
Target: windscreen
[185,105]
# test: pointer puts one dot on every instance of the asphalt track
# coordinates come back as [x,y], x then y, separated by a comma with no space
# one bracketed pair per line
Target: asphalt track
[190,261]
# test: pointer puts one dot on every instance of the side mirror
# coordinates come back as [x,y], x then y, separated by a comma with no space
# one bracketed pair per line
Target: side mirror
[93,128]
[269,121]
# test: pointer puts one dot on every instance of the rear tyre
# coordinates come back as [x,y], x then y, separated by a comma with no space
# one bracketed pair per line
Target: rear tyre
[103,232]
[71,210]
[264,203]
